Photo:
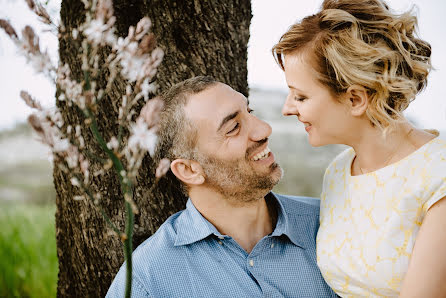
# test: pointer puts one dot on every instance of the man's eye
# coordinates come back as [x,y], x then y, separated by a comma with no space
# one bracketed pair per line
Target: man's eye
[250,110]
[235,128]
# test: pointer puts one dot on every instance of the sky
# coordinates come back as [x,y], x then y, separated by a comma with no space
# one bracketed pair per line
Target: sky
[269,22]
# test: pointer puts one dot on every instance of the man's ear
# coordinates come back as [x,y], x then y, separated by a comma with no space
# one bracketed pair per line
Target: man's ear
[358,99]
[188,171]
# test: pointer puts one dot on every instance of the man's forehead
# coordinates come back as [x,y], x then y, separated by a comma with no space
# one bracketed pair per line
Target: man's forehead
[214,103]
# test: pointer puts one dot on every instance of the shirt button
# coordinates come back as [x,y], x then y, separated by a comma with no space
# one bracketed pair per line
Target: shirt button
[221,237]
[219,242]
[251,262]
[272,245]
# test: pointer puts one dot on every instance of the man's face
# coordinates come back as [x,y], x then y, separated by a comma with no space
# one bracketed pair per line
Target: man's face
[232,144]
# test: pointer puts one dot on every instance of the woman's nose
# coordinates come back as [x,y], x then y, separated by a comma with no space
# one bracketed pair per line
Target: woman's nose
[289,107]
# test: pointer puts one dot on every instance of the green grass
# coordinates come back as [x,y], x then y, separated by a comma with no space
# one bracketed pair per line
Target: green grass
[28,261]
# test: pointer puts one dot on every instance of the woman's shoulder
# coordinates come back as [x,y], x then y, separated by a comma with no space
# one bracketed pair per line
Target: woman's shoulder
[434,157]
[437,145]
[433,153]
[433,171]
[341,160]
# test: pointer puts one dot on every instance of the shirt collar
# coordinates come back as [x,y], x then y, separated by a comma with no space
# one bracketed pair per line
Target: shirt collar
[191,226]
[294,227]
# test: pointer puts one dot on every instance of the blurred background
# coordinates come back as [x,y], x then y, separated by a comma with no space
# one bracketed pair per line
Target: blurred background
[28,262]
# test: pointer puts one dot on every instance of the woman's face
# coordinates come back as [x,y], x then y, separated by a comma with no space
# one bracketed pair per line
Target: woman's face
[326,118]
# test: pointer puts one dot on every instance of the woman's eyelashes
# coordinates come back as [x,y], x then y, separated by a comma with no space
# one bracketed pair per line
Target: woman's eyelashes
[299,98]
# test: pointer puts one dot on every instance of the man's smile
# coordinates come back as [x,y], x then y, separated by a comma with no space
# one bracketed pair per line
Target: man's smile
[261,155]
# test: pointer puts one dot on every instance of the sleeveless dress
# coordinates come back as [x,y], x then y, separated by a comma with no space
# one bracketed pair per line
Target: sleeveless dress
[369,223]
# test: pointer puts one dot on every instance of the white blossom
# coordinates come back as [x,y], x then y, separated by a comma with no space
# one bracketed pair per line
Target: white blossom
[72,160]
[56,117]
[142,138]
[95,31]
[134,57]
[75,182]
[61,97]
[157,56]
[148,88]
[121,44]
[131,66]
[60,144]
[143,27]
[84,165]
[113,144]
[77,130]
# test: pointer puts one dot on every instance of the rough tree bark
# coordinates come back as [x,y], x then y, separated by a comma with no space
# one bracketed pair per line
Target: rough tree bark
[199,38]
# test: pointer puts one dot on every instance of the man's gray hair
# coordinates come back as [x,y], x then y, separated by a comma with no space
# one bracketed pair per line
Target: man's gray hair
[176,135]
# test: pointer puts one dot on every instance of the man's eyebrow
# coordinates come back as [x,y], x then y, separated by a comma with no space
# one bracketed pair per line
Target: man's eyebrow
[228,118]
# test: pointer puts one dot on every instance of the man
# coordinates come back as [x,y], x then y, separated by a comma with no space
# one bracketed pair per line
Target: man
[235,238]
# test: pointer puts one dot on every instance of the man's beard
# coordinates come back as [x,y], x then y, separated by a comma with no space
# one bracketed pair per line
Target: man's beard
[237,180]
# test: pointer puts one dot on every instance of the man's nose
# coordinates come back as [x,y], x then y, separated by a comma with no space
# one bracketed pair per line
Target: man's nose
[289,107]
[259,129]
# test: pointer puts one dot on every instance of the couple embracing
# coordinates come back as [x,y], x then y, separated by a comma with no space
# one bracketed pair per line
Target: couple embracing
[377,229]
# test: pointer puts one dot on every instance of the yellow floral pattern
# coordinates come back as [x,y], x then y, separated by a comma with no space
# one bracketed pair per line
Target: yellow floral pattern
[369,222]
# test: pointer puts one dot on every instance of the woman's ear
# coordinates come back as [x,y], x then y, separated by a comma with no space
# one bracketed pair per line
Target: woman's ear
[358,100]
[188,171]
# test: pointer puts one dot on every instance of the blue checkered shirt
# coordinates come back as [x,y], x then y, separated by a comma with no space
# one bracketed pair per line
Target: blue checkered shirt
[188,257]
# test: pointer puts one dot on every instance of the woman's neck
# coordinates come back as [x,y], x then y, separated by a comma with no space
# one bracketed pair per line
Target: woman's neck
[375,150]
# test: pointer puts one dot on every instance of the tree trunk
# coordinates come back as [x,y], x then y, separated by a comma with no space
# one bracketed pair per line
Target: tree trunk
[199,38]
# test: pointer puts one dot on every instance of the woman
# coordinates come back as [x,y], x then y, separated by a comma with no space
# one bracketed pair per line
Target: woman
[352,69]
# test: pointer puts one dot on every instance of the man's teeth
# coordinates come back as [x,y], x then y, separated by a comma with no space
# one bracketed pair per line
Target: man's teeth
[262,155]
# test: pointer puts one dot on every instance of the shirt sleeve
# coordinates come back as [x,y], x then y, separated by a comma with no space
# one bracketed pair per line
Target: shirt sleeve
[438,192]
[117,288]
[437,172]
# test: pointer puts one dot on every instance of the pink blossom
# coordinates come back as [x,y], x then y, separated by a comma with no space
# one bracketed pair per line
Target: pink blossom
[40,11]
[104,9]
[157,56]
[151,112]
[162,168]
[30,40]
[8,28]
[142,27]
[30,101]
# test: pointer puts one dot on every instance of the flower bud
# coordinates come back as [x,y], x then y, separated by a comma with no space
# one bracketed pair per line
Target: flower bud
[8,28]
[162,168]
[151,110]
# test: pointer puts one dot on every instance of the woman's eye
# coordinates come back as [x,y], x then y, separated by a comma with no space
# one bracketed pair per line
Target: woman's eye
[297,98]
[250,110]
[234,129]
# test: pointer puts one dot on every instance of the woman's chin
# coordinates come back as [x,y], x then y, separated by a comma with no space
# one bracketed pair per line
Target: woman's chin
[316,142]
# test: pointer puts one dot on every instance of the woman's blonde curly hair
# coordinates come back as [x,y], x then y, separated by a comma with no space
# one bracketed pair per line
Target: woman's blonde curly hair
[362,42]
